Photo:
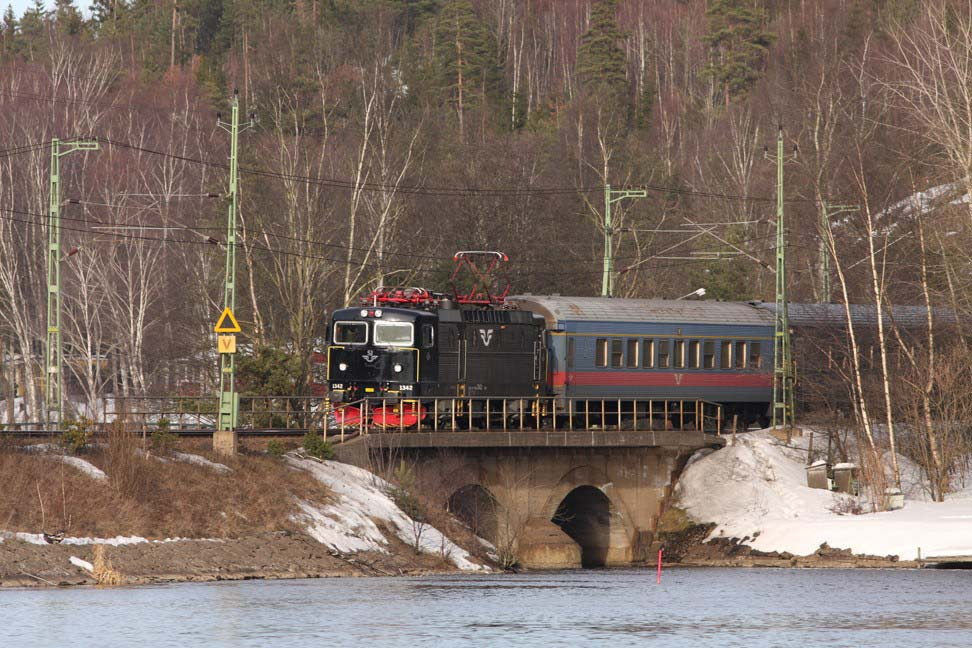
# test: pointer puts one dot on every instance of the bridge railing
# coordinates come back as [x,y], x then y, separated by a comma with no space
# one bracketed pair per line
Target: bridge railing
[296,415]
[551,413]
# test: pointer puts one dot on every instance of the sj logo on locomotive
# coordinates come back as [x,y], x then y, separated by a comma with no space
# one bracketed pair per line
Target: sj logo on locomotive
[370,357]
[486,335]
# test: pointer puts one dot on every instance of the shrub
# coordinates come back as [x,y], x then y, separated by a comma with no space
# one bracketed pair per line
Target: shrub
[77,434]
[275,448]
[162,438]
[409,503]
[317,446]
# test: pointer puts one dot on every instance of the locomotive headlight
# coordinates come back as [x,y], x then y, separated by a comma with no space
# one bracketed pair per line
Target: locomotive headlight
[343,366]
[378,313]
[364,312]
[397,368]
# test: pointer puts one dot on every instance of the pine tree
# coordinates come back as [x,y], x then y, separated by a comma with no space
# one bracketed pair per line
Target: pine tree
[466,58]
[738,45]
[67,18]
[601,64]
[10,27]
[33,26]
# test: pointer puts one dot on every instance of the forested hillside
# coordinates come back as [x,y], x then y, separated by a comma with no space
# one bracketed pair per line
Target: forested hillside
[391,133]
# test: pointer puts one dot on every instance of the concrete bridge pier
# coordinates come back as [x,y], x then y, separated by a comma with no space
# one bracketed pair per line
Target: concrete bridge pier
[552,500]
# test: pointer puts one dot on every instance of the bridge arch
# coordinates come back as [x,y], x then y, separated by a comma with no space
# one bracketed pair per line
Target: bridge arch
[476,506]
[587,495]
[585,515]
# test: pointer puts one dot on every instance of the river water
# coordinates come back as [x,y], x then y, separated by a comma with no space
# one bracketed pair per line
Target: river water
[692,607]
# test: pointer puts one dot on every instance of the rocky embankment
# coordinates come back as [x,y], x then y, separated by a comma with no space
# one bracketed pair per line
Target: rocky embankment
[126,516]
[263,556]
[688,547]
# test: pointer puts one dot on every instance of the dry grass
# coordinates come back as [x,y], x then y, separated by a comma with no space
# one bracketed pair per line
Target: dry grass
[104,573]
[148,497]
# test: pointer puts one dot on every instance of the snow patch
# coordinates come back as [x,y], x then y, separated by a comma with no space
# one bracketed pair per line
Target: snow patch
[350,523]
[84,466]
[757,489]
[83,564]
[38,539]
[200,461]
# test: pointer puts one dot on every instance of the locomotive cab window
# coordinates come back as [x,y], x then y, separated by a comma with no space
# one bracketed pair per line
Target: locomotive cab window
[600,358]
[632,359]
[350,333]
[398,334]
[428,336]
[708,354]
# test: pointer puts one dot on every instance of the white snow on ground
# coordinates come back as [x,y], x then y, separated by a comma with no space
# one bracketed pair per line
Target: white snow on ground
[757,489]
[361,502]
[86,467]
[201,461]
[83,564]
[38,539]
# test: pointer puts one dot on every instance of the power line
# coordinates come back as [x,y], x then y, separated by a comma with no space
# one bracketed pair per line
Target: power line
[25,148]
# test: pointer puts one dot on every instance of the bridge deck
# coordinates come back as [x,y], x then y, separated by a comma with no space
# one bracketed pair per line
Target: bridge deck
[543,439]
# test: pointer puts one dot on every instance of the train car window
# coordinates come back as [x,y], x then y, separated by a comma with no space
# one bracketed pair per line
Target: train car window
[725,351]
[648,353]
[755,360]
[570,352]
[617,353]
[708,354]
[399,334]
[428,336]
[664,354]
[679,354]
[350,332]
[740,355]
[693,362]
[602,352]
[632,359]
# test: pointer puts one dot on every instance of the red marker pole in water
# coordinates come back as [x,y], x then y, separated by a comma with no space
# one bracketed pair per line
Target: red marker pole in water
[659,565]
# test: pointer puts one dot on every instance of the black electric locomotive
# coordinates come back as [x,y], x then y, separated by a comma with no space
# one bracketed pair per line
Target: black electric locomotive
[410,345]
[411,353]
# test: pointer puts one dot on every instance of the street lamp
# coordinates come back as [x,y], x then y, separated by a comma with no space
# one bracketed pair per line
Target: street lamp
[699,292]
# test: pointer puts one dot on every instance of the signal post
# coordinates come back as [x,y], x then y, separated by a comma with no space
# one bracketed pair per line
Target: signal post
[225,438]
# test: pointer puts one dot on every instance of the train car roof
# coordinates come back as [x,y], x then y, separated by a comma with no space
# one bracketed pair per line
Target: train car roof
[834,315]
[555,309]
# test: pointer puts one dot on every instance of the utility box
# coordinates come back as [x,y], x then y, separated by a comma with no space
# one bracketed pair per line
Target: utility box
[893,499]
[817,475]
[845,478]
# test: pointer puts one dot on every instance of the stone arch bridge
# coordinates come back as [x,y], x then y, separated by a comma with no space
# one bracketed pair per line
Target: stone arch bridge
[551,499]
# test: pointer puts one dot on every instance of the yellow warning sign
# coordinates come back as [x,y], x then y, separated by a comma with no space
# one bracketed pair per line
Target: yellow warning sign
[226,344]
[227,323]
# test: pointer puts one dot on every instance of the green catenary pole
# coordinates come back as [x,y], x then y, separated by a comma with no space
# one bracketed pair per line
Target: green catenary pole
[612,196]
[782,358]
[53,394]
[227,386]
[825,292]
[608,252]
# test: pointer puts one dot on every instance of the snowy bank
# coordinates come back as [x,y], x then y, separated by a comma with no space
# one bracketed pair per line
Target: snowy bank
[84,466]
[117,541]
[201,461]
[351,523]
[757,489]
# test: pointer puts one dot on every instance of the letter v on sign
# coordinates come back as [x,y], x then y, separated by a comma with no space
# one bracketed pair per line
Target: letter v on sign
[227,323]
